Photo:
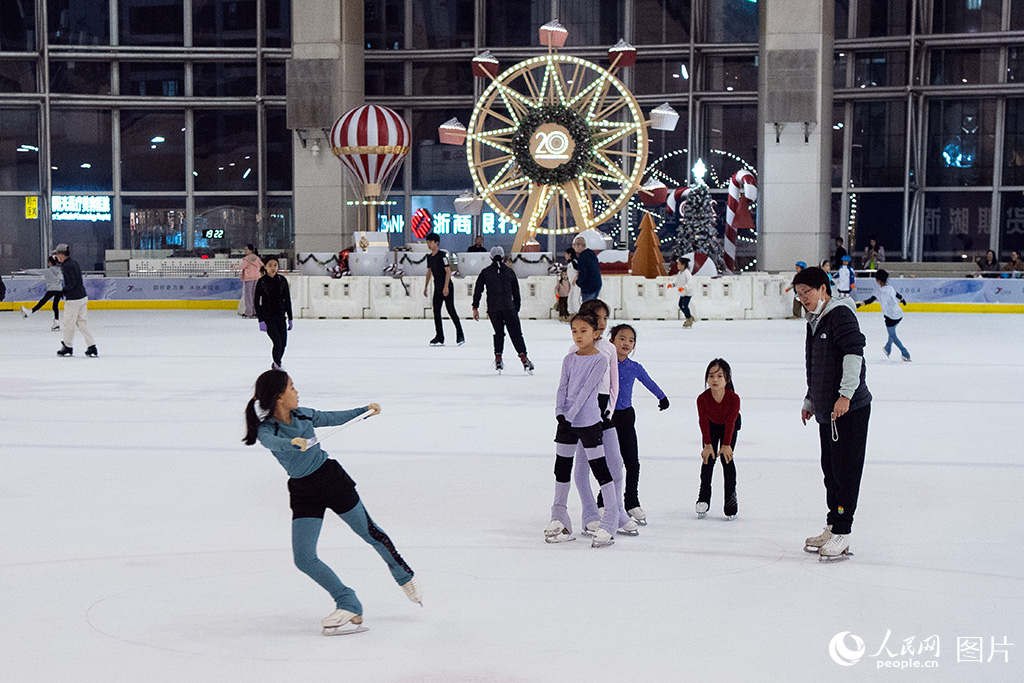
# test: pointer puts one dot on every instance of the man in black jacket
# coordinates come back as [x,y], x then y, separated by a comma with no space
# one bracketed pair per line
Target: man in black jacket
[839,400]
[502,306]
[76,304]
[589,278]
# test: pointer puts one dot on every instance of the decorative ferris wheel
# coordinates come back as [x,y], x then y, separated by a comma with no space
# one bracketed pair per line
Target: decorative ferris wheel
[556,144]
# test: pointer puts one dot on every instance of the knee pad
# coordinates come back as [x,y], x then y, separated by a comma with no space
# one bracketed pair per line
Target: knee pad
[563,469]
[599,466]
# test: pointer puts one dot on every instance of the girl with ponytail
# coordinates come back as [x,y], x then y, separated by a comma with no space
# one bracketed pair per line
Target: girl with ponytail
[317,483]
[718,410]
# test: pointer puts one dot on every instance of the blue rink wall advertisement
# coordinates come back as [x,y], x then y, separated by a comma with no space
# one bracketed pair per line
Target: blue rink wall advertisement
[952,291]
[136,289]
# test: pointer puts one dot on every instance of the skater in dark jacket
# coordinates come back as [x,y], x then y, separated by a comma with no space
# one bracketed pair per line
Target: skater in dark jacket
[503,303]
[76,304]
[839,400]
[317,483]
[273,303]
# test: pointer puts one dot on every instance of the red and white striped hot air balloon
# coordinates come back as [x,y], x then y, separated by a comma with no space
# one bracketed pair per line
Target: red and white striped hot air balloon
[371,142]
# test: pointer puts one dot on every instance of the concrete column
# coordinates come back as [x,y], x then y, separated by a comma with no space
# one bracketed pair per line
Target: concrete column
[325,80]
[795,118]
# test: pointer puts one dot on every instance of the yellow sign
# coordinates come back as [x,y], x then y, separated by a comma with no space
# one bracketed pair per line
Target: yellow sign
[31,207]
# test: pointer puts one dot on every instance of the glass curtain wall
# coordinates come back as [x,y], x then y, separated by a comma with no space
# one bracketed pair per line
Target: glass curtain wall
[160,127]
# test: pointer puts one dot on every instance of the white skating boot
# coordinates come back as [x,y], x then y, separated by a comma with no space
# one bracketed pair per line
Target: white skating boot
[591,528]
[630,528]
[25,312]
[557,533]
[602,539]
[412,591]
[702,509]
[814,543]
[341,622]
[55,325]
[836,549]
[638,516]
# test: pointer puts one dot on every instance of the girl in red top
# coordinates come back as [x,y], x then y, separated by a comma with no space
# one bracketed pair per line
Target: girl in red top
[718,409]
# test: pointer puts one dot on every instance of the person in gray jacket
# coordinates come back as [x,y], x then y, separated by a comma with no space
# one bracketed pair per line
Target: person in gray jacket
[839,401]
[54,280]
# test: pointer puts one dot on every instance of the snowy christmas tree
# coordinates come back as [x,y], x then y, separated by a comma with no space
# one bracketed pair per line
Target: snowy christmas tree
[698,231]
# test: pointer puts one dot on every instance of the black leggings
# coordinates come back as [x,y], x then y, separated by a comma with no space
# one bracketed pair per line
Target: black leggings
[277,330]
[56,295]
[449,303]
[728,468]
[500,320]
[625,427]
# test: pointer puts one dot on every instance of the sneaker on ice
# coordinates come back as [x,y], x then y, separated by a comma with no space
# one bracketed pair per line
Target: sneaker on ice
[702,509]
[630,528]
[638,516]
[836,548]
[602,539]
[557,533]
[814,543]
[412,591]
[591,528]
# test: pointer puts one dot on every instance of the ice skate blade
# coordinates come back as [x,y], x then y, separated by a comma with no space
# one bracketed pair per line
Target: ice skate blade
[640,522]
[559,538]
[835,558]
[602,545]
[624,532]
[346,630]
[701,515]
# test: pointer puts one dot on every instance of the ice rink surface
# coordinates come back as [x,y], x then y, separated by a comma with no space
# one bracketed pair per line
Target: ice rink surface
[142,541]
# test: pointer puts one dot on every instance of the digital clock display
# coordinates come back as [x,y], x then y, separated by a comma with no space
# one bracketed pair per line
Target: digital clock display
[213,234]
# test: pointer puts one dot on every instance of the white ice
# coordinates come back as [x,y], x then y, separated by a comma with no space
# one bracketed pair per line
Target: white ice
[142,541]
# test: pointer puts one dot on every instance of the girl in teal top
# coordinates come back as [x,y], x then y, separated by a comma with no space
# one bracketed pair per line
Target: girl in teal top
[317,482]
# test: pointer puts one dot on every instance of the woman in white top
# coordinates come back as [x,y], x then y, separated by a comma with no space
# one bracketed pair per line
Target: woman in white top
[575,295]
[685,291]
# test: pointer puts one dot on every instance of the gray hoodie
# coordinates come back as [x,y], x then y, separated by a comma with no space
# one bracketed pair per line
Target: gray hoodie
[52,276]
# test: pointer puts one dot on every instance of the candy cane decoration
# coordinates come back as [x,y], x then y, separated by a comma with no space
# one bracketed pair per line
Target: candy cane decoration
[677,197]
[742,193]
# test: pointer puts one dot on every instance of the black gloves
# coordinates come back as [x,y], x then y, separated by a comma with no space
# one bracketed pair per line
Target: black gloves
[663,403]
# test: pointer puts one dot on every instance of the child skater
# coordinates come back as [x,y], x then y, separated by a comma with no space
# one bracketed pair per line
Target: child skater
[317,483]
[891,301]
[54,289]
[624,417]
[685,290]
[579,421]
[718,410]
[607,398]
[273,301]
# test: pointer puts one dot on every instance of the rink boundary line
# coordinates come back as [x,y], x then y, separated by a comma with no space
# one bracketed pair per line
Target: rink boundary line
[950,308]
[143,304]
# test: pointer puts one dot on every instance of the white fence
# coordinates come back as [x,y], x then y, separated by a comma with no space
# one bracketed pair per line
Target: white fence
[757,296]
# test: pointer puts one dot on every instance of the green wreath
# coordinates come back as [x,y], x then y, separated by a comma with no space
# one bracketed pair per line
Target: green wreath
[578,129]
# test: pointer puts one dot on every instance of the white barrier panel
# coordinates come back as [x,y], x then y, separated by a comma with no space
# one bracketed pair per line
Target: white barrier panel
[298,288]
[647,299]
[414,263]
[722,298]
[537,294]
[347,297]
[530,263]
[369,262]
[389,299]
[770,298]
[472,262]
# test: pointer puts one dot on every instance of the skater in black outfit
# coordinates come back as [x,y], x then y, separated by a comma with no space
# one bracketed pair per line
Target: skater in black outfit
[439,267]
[503,303]
[273,302]
[839,400]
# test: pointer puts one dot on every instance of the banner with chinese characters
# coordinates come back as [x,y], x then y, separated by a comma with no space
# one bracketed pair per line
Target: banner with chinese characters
[957,223]
[134,288]
[437,214]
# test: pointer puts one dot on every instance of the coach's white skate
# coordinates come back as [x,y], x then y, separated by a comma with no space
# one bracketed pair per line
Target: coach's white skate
[412,591]
[341,622]
[55,325]
[630,528]
[638,516]
[702,509]
[602,539]
[836,549]
[814,543]
[557,533]
[591,528]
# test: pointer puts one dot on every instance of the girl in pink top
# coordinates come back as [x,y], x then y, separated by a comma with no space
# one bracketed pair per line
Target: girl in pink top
[252,269]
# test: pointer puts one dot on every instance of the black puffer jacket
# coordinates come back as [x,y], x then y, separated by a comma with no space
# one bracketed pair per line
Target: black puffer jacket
[502,288]
[273,299]
[832,336]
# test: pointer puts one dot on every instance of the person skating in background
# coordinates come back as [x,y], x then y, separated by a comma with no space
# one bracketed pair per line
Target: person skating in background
[53,276]
[503,303]
[891,301]
[76,304]
[839,401]
[252,269]
[439,268]
[593,517]
[718,412]
[589,277]
[273,304]
[684,284]
[562,289]
[797,308]
[572,273]
[317,483]
[845,279]
[826,266]
[579,417]
[623,337]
